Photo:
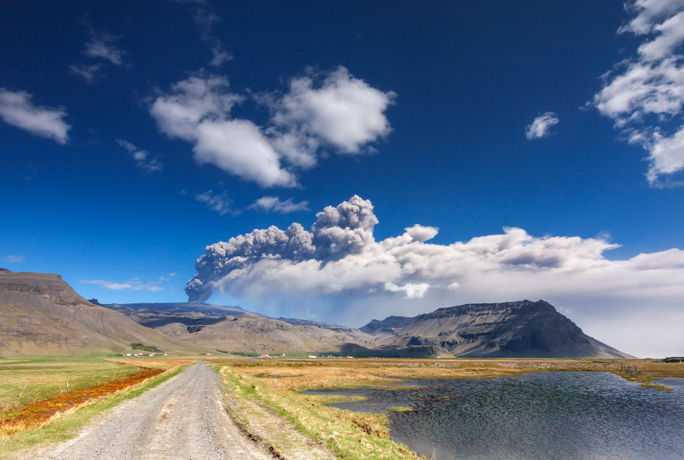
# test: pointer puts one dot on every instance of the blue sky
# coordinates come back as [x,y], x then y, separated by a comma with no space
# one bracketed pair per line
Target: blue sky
[425,110]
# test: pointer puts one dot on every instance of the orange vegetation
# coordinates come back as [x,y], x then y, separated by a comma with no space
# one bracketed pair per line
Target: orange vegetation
[39,412]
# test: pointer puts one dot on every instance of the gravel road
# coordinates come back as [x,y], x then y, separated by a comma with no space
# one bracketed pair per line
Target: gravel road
[183,418]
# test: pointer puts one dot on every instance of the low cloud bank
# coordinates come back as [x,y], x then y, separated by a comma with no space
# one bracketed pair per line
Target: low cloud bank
[337,271]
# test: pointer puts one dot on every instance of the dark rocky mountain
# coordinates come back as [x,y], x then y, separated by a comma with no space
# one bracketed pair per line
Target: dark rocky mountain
[40,314]
[510,329]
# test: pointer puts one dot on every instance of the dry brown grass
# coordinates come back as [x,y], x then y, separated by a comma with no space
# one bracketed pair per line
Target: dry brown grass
[298,374]
[155,363]
[350,435]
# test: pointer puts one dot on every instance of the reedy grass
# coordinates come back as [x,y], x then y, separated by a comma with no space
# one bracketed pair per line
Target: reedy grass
[656,386]
[350,435]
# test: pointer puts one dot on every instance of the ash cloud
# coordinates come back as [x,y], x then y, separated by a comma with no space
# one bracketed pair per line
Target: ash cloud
[337,271]
[338,232]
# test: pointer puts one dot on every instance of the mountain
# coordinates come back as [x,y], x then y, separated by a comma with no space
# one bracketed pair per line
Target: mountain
[510,329]
[40,314]
[232,329]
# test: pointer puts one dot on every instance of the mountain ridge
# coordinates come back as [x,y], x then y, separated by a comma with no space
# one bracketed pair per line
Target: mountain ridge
[40,313]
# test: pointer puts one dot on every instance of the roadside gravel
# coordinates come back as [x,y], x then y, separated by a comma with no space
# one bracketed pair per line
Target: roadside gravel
[183,418]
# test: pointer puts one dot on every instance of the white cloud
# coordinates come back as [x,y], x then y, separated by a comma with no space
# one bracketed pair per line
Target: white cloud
[339,110]
[104,47]
[190,102]
[16,109]
[239,146]
[198,110]
[219,56]
[220,203]
[644,94]
[132,285]
[343,113]
[339,258]
[14,259]
[667,154]
[143,159]
[275,204]
[410,290]
[541,126]
[89,72]
[648,13]
[669,34]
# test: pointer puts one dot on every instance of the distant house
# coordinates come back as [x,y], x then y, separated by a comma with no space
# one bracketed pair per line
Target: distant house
[312,356]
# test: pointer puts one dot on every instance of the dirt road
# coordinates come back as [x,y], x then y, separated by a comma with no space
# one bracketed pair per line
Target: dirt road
[183,418]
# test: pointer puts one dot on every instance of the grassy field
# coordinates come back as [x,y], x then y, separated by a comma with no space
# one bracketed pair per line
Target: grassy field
[38,406]
[277,384]
[23,445]
[24,381]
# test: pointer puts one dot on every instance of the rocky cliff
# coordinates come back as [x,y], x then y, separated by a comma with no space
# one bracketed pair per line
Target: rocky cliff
[509,329]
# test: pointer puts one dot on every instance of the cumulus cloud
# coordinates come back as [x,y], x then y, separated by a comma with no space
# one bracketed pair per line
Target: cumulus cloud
[275,204]
[341,112]
[217,202]
[198,110]
[16,109]
[644,94]
[143,159]
[337,109]
[541,126]
[338,269]
[132,285]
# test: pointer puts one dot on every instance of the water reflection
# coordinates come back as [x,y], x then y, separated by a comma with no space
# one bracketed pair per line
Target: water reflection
[550,415]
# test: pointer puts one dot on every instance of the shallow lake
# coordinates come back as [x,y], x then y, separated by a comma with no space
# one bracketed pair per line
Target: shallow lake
[546,415]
